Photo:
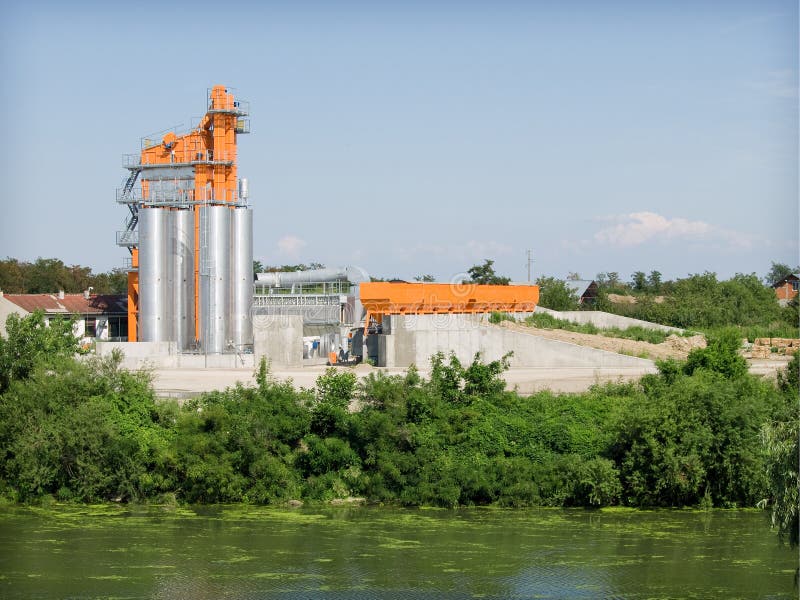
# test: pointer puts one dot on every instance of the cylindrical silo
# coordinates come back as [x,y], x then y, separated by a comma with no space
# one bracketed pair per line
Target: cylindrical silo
[215,278]
[241,324]
[153,275]
[182,276]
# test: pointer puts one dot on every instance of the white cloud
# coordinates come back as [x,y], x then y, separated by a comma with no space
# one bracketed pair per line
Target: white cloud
[635,229]
[290,245]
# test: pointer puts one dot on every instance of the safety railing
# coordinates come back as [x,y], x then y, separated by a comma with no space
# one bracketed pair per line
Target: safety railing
[240,108]
[134,161]
[322,288]
[242,125]
[128,238]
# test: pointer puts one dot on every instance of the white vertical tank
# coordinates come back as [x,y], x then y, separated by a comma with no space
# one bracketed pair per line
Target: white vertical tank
[215,278]
[241,323]
[153,276]
[181,257]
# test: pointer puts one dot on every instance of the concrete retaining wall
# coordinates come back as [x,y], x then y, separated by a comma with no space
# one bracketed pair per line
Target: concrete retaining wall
[278,338]
[415,338]
[604,320]
[165,355]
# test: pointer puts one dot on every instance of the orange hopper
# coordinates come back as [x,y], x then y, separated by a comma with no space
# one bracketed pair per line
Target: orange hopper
[381,298]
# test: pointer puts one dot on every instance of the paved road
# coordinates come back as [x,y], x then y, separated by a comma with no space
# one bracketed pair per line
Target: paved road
[187,382]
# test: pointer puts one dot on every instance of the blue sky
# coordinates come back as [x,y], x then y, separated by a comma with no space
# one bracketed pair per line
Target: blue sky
[423,137]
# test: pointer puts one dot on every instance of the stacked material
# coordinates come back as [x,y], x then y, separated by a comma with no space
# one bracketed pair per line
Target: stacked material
[766,347]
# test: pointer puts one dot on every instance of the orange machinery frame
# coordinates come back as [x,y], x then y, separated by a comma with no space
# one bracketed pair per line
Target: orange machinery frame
[211,150]
[382,298]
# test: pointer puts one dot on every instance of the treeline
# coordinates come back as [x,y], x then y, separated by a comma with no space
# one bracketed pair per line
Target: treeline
[88,431]
[702,301]
[699,301]
[49,275]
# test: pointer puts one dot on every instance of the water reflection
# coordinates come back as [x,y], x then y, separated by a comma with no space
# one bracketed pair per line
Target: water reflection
[251,552]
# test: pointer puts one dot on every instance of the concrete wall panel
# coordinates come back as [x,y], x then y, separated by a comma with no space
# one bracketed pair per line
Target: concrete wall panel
[416,339]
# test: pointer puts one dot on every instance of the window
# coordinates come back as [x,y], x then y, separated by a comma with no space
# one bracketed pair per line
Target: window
[90,329]
[118,328]
[796,285]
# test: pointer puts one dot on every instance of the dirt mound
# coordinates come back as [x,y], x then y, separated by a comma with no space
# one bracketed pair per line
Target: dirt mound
[685,344]
[673,347]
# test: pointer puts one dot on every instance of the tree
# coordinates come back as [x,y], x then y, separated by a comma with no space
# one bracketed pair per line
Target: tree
[484,274]
[113,282]
[639,281]
[12,278]
[425,278]
[609,280]
[556,294]
[30,341]
[778,271]
[781,443]
[573,276]
[654,281]
[48,275]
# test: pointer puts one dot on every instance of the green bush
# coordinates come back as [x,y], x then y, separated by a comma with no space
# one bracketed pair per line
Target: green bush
[31,341]
[702,302]
[721,355]
[556,294]
[498,317]
[88,431]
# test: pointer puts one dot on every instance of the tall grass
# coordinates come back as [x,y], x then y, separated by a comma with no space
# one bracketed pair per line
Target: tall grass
[751,332]
[637,333]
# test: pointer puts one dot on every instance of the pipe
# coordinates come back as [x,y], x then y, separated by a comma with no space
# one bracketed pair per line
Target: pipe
[351,273]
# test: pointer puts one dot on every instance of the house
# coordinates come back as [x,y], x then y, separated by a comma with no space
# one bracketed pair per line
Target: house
[101,317]
[585,290]
[787,288]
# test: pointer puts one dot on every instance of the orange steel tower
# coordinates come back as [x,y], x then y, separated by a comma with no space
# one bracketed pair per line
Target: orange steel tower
[190,234]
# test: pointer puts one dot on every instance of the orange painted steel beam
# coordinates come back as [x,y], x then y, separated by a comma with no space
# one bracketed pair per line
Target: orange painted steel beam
[133,297]
[381,298]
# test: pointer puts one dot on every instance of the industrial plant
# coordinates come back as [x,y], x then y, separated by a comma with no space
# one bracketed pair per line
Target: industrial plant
[194,300]
[190,235]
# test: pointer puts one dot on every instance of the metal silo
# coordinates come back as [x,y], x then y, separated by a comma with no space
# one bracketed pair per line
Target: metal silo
[215,277]
[182,277]
[241,323]
[153,275]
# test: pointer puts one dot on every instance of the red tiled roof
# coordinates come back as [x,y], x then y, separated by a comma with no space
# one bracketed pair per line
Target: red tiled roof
[70,303]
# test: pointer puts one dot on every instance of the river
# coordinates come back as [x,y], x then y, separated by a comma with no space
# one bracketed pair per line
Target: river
[377,552]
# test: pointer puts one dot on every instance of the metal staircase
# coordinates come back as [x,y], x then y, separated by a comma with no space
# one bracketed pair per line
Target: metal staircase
[129,236]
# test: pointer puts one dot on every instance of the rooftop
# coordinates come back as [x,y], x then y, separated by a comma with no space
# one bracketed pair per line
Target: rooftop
[71,303]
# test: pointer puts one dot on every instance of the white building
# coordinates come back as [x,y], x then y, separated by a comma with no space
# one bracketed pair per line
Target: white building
[100,317]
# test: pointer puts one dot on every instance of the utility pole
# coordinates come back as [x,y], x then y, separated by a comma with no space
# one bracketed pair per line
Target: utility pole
[530,262]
